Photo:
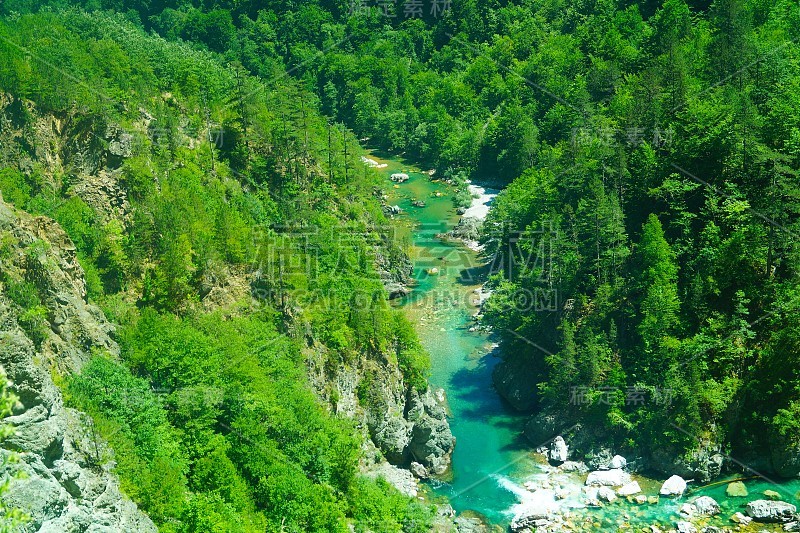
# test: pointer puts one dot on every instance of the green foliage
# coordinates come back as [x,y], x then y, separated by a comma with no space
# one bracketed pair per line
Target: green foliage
[33,318]
[11,519]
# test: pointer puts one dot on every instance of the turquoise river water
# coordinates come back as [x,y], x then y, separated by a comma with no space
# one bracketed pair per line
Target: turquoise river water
[492,460]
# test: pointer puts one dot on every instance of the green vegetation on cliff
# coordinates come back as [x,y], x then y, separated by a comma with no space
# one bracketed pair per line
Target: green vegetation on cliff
[228,231]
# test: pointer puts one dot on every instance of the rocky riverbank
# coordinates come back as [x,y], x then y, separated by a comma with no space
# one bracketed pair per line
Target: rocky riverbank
[568,495]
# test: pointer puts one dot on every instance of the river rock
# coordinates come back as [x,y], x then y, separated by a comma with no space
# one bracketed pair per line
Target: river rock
[608,478]
[771,511]
[399,177]
[772,495]
[641,499]
[418,470]
[574,466]
[685,527]
[531,518]
[740,518]
[688,510]
[606,494]
[737,489]
[706,505]
[629,489]
[558,450]
[465,524]
[599,459]
[618,462]
[674,486]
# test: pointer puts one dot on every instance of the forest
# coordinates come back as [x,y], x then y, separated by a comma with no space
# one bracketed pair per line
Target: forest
[658,143]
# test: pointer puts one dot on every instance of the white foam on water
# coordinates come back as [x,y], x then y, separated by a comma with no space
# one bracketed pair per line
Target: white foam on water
[372,163]
[530,502]
[481,201]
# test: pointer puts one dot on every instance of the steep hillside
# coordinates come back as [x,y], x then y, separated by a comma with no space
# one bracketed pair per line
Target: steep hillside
[255,376]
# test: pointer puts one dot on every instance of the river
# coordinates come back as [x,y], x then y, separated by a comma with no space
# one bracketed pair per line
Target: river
[492,461]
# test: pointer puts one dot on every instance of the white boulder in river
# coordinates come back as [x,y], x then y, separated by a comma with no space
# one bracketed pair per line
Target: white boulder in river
[706,505]
[608,478]
[558,450]
[618,462]
[771,511]
[630,489]
[674,486]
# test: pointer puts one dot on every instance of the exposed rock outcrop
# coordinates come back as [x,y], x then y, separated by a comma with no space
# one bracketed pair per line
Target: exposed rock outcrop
[513,378]
[67,487]
[701,464]
[404,424]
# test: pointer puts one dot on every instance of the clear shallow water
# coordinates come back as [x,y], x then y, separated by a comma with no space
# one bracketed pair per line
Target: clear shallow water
[492,460]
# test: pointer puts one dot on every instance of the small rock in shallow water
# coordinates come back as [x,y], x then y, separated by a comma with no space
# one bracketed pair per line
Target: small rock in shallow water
[739,518]
[606,494]
[688,509]
[736,489]
[641,499]
[686,527]
[772,495]
[706,505]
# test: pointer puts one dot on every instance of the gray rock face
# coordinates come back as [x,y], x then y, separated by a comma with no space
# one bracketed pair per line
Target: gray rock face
[64,489]
[599,459]
[702,464]
[542,427]
[405,425]
[785,457]
[771,511]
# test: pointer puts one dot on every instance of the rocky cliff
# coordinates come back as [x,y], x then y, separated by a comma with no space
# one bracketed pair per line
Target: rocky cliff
[407,426]
[66,484]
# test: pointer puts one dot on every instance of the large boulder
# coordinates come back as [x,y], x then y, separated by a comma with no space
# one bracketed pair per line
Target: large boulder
[674,486]
[629,489]
[608,478]
[558,450]
[771,511]
[618,462]
[706,505]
